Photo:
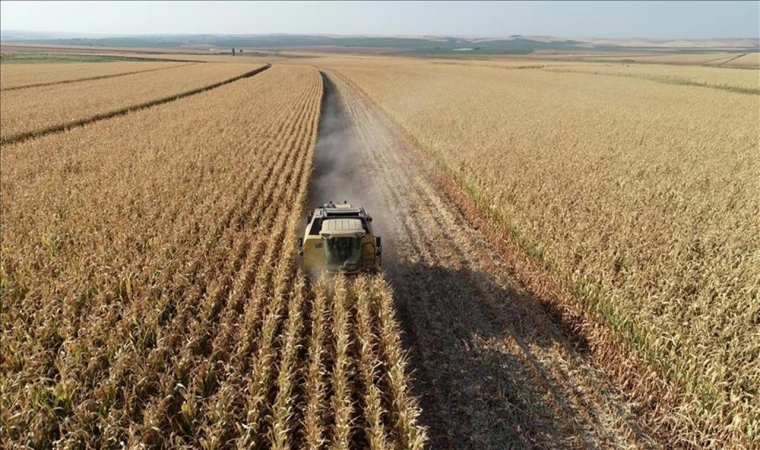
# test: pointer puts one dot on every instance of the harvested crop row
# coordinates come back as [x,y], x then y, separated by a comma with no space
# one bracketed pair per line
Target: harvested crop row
[650,219]
[15,76]
[150,288]
[35,110]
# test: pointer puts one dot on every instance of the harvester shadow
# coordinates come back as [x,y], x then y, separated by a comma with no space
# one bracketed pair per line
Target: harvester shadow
[475,353]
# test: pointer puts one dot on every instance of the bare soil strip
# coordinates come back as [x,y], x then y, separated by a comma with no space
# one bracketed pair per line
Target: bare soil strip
[494,367]
[122,111]
[100,77]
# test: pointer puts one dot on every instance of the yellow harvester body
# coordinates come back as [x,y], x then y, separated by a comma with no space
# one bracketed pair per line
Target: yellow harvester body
[339,238]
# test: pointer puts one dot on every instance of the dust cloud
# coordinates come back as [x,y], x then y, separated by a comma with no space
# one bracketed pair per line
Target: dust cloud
[340,170]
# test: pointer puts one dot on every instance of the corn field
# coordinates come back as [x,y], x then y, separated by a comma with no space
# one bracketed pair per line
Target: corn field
[30,111]
[25,76]
[640,195]
[150,288]
[574,247]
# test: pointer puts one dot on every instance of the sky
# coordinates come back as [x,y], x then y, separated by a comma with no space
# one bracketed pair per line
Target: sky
[660,20]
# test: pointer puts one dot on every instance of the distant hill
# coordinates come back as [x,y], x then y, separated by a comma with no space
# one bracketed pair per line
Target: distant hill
[433,45]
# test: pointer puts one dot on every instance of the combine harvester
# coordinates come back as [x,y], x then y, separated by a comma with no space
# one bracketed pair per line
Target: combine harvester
[339,238]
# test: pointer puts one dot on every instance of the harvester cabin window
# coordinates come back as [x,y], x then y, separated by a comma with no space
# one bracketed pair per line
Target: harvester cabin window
[343,253]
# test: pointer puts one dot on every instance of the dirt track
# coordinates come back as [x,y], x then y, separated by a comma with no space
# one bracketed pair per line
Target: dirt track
[490,366]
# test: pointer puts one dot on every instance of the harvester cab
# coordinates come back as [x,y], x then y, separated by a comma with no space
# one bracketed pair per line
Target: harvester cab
[339,238]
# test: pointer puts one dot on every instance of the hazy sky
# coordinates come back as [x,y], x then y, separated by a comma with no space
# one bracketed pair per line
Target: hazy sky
[674,19]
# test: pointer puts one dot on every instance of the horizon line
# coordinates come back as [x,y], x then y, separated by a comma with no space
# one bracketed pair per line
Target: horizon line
[461,36]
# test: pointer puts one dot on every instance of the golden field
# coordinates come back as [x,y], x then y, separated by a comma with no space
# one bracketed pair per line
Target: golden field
[643,198]
[18,76]
[750,60]
[709,59]
[31,110]
[149,279]
[733,59]
[150,291]
[747,81]
[714,77]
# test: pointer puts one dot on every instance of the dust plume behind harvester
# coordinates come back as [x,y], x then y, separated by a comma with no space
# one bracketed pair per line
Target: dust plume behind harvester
[339,238]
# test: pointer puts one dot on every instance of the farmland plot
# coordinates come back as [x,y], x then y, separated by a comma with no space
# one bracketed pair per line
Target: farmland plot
[18,76]
[641,198]
[747,81]
[37,109]
[493,370]
[748,61]
[151,295]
